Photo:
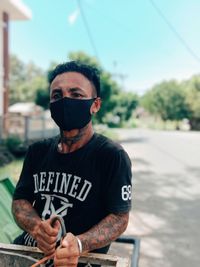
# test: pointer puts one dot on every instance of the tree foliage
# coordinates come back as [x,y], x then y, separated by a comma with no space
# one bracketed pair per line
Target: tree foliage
[166,100]
[123,105]
[175,101]
[115,103]
[192,95]
[42,98]
[107,84]
[28,83]
[25,80]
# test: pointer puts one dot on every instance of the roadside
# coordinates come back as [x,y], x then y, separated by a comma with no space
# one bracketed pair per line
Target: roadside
[166,197]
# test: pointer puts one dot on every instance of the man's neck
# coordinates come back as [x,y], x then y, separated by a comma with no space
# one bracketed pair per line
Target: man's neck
[72,140]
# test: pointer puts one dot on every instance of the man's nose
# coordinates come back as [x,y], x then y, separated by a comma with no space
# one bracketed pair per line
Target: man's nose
[66,93]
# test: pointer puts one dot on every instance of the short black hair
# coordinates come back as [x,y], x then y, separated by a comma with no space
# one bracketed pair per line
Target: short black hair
[90,72]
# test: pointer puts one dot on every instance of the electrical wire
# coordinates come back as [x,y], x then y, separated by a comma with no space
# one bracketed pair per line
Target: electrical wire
[88,29]
[172,28]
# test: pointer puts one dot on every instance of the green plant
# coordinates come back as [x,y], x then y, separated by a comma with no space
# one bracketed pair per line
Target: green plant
[15,145]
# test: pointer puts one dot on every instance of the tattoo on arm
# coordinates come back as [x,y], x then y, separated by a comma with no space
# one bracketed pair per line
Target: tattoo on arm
[25,215]
[104,232]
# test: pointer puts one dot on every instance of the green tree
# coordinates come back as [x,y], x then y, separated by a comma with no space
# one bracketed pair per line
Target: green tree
[109,87]
[25,80]
[124,104]
[192,95]
[42,98]
[114,102]
[166,100]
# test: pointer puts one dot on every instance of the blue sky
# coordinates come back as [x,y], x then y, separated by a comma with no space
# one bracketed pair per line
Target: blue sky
[130,37]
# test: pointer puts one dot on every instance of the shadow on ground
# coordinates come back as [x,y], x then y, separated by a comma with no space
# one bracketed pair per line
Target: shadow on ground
[166,216]
[133,140]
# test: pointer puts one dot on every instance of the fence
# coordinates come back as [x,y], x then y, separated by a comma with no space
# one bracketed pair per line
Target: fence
[31,127]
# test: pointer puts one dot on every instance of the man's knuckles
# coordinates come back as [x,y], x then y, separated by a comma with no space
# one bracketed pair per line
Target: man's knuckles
[45,245]
[48,229]
[46,239]
[69,240]
[62,259]
[66,253]
[65,262]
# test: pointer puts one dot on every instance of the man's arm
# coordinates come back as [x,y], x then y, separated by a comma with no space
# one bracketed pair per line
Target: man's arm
[98,236]
[104,232]
[27,218]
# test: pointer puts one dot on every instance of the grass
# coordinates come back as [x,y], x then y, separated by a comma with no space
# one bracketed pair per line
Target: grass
[12,169]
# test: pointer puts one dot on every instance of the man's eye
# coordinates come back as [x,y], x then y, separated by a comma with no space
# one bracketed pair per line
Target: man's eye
[56,96]
[77,95]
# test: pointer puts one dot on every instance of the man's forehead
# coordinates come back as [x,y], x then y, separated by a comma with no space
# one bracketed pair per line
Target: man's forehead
[71,79]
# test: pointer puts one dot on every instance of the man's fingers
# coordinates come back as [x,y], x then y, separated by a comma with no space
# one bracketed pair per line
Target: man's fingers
[46,247]
[65,261]
[69,246]
[61,259]
[47,251]
[67,253]
[45,237]
[48,229]
[56,225]
[69,240]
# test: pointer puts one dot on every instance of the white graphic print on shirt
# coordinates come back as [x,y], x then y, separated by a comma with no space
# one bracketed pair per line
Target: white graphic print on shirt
[53,184]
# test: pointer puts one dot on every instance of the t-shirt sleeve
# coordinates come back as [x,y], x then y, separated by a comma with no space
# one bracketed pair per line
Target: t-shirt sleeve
[119,183]
[24,188]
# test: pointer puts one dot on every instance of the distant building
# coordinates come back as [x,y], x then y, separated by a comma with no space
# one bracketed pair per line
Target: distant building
[21,115]
[25,109]
[9,10]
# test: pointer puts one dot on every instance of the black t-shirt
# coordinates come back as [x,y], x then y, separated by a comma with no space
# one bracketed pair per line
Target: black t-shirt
[83,186]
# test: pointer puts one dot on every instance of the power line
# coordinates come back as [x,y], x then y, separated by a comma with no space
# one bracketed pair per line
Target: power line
[88,29]
[172,28]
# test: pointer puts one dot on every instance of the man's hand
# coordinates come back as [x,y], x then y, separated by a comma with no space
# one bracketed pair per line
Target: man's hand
[68,253]
[46,236]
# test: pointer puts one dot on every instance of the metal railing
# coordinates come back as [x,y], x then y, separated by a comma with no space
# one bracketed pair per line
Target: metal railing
[14,255]
[135,250]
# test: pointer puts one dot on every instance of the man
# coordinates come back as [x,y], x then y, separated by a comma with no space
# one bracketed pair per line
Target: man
[80,175]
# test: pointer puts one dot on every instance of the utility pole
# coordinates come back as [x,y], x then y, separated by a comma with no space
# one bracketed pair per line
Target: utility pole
[5,69]
[4,73]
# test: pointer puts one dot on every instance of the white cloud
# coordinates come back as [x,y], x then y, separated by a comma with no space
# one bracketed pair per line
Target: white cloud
[73,16]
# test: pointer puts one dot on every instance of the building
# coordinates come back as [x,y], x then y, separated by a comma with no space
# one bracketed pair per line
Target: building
[10,10]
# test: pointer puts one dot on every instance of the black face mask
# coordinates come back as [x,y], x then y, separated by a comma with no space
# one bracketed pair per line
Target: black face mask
[69,113]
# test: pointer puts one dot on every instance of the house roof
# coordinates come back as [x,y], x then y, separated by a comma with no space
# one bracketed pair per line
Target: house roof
[16,9]
[24,108]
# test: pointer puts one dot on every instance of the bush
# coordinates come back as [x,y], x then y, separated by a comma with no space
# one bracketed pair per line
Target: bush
[15,145]
[5,156]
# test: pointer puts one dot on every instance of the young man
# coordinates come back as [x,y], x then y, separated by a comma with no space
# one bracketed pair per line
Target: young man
[80,175]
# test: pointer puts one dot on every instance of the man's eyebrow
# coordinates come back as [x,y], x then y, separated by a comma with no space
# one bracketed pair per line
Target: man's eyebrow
[75,89]
[56,89]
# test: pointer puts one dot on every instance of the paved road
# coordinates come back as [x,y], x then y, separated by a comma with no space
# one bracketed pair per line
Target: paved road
[166,205]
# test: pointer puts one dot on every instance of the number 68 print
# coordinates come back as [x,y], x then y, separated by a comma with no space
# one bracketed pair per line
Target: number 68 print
[126,192]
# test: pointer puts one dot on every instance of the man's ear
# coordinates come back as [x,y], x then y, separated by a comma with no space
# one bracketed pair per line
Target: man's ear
[95,106]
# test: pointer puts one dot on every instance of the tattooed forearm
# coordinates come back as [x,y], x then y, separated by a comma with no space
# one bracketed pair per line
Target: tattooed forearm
[104,232]
[25,215]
